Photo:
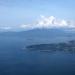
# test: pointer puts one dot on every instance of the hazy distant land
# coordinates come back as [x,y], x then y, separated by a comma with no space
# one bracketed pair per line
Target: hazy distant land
[63,46]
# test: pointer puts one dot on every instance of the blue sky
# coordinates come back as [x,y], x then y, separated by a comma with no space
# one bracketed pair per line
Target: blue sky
[16,12]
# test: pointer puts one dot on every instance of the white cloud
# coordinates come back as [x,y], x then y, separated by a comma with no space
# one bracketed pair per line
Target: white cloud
[27,27]
[43,22]
[5,28]
[52,22]
[49,22]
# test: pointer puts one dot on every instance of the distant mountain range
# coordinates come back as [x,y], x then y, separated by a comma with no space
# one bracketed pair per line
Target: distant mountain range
[40,33]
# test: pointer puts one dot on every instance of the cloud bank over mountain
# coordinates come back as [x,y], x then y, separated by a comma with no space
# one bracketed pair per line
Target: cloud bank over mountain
[49,22]
[44,22]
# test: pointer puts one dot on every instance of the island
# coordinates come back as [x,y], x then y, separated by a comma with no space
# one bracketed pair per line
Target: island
[62,46]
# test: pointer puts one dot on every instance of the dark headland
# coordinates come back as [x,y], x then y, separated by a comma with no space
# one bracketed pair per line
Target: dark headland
[63,46]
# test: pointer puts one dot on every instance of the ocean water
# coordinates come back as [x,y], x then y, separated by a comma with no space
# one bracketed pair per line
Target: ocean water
[15,59]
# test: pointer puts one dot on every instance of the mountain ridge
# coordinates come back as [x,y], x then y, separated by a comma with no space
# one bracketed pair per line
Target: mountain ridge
[39,33]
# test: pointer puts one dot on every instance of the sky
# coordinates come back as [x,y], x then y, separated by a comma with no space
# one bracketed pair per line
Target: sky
[14,13]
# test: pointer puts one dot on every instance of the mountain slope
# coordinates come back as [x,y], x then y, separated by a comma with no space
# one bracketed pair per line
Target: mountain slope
[39,33]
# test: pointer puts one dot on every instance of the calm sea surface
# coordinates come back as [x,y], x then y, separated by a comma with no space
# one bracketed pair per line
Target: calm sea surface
[16,60]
